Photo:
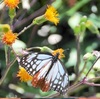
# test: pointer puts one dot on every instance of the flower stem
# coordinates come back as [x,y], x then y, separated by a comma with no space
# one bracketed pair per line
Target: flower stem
[78,55]
[7,56]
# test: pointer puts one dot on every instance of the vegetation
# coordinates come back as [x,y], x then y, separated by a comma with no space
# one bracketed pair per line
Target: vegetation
[47,25]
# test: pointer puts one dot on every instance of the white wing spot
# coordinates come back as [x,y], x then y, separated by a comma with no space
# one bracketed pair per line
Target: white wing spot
[31,62]
[28,65]
[35,60]
[25,63]
[54,86]
[34,66]
[58,87]
[30,69]
[33,72]
[23,60]
[38,62]
[59,82]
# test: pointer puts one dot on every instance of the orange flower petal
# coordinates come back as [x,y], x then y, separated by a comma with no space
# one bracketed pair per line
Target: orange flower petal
[11,3]
[51,14]
[23,75]
[9,38]
[60,51]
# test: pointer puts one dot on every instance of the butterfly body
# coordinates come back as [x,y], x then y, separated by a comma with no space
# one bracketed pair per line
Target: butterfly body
[47,71]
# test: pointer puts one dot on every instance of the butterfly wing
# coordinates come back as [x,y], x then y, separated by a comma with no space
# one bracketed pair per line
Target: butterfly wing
[33,62]
[37,65]
[58,77]
[47,73]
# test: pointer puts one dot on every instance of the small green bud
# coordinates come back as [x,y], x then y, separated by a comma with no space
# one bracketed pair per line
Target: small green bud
[46,49]
[4,28]
[83,19]
[92,27]
[77,30]
[83,27]
[88,56]
[39,20]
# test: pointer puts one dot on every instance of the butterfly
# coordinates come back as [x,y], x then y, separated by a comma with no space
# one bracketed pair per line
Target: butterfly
[47,71]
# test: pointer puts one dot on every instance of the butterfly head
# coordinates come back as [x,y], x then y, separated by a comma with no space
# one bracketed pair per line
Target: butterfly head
[59,53]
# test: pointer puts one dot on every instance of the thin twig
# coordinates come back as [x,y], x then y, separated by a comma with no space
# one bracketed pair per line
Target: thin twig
[90,84]
[81,72]
[72,88]
[83,68]
[7,70]
[32,35]
[9,65]
[87,81]
[91,67]
[91,79]
[25,28]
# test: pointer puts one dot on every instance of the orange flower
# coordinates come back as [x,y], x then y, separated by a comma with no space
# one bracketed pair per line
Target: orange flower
[23,74]
[9,38]
[60,51]
[51,14]
[11,3]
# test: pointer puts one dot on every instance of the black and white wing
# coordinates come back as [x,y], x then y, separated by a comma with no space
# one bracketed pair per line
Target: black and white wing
[33,62]
[58,78]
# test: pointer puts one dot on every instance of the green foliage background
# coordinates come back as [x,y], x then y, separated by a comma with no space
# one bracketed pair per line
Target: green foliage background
[68,10]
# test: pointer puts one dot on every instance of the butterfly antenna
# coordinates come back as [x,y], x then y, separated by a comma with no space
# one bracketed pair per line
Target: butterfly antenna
[67,50]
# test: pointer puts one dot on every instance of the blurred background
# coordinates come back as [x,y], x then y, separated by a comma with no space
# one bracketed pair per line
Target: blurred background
[52,36]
